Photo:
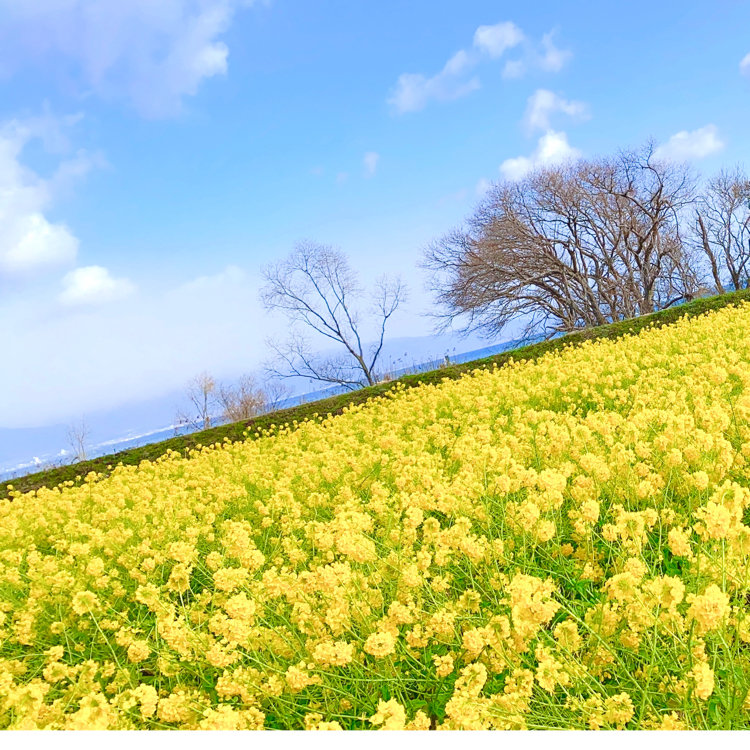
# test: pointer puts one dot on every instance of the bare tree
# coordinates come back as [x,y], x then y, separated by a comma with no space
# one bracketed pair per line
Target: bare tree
[568,247]
[78,434]
[275,392]
[202,398]
[722,227]
[242,400]
[246,399]
[319,292]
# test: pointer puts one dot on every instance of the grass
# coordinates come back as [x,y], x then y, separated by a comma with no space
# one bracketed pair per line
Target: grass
[336,404]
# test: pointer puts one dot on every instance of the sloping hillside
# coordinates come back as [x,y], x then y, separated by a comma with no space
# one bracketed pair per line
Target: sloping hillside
[558,542]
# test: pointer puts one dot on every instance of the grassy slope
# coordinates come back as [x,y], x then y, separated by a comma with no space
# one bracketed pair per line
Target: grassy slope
[336,404]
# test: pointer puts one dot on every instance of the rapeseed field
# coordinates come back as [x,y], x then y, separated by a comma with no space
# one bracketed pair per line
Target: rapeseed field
[563,543]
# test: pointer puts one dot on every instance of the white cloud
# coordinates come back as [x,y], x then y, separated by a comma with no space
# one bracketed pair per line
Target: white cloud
[689,145]
[207,285]
[459,63]
[552,58]
[73,169]
[546,57]
[495,40]
[370,161]
[514,69]
[543,104]
[29,242]
[552,149]
[33,243]
[414,90]
[93,285]
[49,128]
[152,53]
[745,65]
[516,168]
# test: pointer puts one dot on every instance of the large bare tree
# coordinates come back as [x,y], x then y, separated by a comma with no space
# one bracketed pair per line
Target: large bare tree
[567,247]
[722,227]
[320,294]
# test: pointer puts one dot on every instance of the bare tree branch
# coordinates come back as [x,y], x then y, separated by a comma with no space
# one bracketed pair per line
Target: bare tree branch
[568,247]
[242,400]
[317,290]
[722,227]
[202,398]
[275,392]
[78,435]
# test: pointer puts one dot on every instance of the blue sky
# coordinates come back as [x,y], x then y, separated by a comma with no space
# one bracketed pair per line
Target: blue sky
[154,155]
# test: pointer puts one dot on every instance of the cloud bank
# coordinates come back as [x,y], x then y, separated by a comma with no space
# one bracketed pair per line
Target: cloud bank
[151,53]
[87,357]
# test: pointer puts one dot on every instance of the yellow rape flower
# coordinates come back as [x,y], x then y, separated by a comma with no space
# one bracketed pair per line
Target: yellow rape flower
[380,644]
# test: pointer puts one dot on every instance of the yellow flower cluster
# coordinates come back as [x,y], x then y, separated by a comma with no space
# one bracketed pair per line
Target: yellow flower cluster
[563,543]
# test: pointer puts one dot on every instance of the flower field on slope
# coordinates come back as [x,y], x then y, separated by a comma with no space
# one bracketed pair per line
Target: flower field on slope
[562,543]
